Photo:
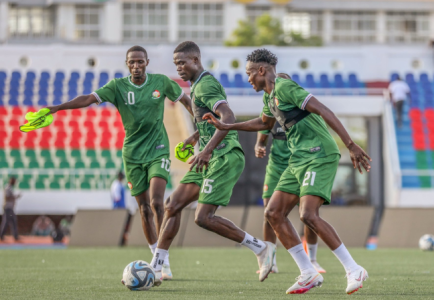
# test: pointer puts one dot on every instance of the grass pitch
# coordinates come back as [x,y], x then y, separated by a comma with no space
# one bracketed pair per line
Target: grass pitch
[203,273]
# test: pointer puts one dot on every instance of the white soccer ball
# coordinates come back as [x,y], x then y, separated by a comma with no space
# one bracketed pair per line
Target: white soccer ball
[138,276]
[426,242]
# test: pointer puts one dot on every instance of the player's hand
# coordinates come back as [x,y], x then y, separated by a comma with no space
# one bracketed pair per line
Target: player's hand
[53,109]
[201,161]
[260,151]
[214,121]
[359,158]
[191,140]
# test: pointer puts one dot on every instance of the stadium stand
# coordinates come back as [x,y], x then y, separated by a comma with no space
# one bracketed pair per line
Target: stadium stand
[416,136]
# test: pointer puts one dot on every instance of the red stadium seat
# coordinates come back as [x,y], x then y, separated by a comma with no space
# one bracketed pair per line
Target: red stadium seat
[88,124]
[76,113]
[31,135]
[14,143]
[118,124]
[103,125]
[3,135]
[106,135]
[105,144]
[90,135]
[14,123]
[17,111]
[417,126]
[120,135]
[90,112]
[74,144]
[61,135]
[2,123]
[89,144]
[106,113]
[58,124]
[59,144]
[119,144]
[73,124]
[429,114]
[44,144]
[16,134]
[2,143]
[76,135]
[415,113]
[62,113]
[46,135]
[29,144]
[3,111]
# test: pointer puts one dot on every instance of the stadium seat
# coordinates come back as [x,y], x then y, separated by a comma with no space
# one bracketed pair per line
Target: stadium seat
[324,81]
[40,184]
[119,75]
[224,80]
[54,185]
[339,81]
[310,82]
[49,164]
[64,164]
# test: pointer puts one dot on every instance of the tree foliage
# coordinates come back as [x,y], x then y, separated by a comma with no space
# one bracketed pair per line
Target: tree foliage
[268,31]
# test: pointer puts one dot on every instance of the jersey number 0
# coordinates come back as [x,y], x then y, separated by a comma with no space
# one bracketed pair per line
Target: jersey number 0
[131,99]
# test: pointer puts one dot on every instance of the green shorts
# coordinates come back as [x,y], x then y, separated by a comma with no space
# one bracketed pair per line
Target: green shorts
[139,175]
[313,178]
[272,177]
[218,181]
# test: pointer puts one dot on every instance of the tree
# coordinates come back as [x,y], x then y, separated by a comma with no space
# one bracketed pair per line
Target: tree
[268,31]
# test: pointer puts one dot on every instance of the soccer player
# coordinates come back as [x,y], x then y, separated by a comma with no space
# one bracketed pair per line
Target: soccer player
[214,171]
[312,167]
[139,99]
[277,163]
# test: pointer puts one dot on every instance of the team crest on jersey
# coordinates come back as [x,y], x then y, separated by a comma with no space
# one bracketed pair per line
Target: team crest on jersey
[156,94]
[265,187]
[276,101]
[130,185]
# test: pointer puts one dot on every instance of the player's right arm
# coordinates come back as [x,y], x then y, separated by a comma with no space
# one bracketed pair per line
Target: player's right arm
[261,144]
[78,102]
[263,123]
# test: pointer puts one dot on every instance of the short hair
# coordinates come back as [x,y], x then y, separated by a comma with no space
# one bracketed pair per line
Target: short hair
[262,55]
[187,47]
[283,75]
[138,49]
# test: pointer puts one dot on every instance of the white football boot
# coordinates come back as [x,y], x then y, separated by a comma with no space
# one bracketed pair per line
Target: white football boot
[166,272]
[305,283]
[274,269]
[355,280]
[158,278]
[265,260]
[317,267]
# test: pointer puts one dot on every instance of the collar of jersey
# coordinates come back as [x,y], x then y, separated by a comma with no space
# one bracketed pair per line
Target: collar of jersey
[146,81]
[200,76]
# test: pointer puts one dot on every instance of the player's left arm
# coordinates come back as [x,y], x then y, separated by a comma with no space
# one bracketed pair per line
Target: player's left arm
[358,156]
[186,101]
[202,159]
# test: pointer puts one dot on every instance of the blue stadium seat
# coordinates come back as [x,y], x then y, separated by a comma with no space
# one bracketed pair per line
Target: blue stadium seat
[57,100]
[28,92]
[324,81]
[13,101]
[16,75]
[394,76]
[89,76]
[60,76]
[58,84]
[119,75]
[28,100]
[74,76]
[103,79]
[14,84]
[43,84]
[42,101]
[409,77]
[353,81]
[2,75]
[45,76]
[43,93]
[339,81]
[310,81]
[58,92]
[238,81]
[296,78]
[423,77]
[72,84]
[87,90]
[224,80]
[30,75]
[72,93]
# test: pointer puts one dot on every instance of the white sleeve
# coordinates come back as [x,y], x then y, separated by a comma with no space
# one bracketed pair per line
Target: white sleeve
[116,190]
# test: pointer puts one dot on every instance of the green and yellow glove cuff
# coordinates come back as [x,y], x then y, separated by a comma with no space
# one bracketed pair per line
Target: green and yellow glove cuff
[183,155]
[37,120]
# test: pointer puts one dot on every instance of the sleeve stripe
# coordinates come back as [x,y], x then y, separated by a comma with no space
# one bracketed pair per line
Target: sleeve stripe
[303,105]
[180,96]
[97,97]
[217,104]
[268,115]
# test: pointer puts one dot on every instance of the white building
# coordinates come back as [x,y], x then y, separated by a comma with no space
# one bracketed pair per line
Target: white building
[212,21]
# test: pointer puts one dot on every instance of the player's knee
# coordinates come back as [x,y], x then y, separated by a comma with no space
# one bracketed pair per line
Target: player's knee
[146,211]
[170,208]
[308,218]
[157,206]
[201,220]
[272,215]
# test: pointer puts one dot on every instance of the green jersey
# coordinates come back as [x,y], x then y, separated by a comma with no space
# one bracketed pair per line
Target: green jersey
[309,138]
[208,93]
[142,109]
[279,152]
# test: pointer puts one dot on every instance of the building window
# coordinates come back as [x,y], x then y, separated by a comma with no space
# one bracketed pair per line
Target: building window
[305,23]
[201,22]
[31,22]
[146,21]
[407,27]
[255,11]
[356,27]
[87,22]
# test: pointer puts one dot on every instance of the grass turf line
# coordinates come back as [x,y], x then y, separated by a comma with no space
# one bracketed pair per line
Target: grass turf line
[204,273]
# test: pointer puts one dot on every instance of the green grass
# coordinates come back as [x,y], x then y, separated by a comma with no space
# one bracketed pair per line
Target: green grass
[203,273]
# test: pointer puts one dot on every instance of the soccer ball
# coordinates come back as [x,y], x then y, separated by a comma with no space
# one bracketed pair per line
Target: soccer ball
[138,276]
[426,242]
